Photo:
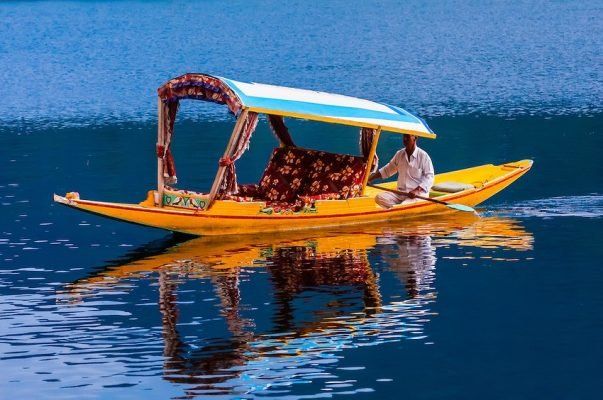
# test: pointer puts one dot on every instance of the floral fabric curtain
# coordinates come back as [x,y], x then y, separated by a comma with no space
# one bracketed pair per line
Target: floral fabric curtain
[163,149]
[241,144]
[200,87]
[366,141]
[191,86]
[278,127]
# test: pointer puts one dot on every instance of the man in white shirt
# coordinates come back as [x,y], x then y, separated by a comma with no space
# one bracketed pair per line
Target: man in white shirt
[415,174]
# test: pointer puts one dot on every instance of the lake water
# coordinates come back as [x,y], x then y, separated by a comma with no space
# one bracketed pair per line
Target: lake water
[503,306]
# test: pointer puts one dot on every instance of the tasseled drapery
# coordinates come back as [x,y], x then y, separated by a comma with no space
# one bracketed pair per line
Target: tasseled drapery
[229,181]
[163,149]
[200,87]
[366,141]
[278,127]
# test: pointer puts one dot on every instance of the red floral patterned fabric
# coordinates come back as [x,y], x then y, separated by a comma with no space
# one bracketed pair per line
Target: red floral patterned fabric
[281,207]
[297,176]
[334,173]
[228,185]
[248,190]
[278,127]
[310,200]
[238,199]
[200,87]
[284,175]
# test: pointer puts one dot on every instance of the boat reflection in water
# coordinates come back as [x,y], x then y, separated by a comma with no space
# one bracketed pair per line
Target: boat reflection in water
[290,305]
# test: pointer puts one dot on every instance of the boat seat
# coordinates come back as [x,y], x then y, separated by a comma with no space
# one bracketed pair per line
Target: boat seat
[451,187]
[294,173]
[337,176]
[284,175]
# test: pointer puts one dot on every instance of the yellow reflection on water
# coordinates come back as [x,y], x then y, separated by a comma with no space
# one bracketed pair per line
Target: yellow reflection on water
[205,256]
[335,264]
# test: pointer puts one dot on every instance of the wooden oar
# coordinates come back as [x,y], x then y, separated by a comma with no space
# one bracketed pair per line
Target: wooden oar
[458,207]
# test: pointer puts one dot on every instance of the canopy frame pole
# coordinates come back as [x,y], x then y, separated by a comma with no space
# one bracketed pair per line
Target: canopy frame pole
[236,132]
[371,157]
[160,136]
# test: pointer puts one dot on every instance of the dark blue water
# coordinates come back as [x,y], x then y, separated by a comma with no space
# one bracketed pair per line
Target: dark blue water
[505,306]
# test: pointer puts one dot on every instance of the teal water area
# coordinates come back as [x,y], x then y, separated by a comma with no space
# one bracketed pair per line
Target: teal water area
[502,306]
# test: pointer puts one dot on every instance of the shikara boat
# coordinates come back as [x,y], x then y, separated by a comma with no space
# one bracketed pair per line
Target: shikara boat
[300,188]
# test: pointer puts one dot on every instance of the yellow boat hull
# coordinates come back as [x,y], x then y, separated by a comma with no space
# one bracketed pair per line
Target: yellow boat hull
[227,217]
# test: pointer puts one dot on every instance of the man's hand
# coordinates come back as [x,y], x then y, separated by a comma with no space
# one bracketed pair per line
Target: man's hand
[415,192]
[373,176]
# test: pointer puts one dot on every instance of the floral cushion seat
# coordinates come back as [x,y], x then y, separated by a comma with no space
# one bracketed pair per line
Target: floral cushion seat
[298,176]
[284,174]
[333,176]
[248,190]
[281,179]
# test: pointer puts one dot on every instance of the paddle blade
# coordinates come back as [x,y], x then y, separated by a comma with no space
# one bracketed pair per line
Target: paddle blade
[461,207]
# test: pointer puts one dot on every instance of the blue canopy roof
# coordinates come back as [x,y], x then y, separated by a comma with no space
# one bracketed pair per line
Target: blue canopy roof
[327,107]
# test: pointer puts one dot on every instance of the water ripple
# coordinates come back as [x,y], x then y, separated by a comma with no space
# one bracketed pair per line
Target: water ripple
[326,295]
[588,206]
[529,60]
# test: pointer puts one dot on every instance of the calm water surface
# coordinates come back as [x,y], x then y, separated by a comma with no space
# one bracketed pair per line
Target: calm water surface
[502,306]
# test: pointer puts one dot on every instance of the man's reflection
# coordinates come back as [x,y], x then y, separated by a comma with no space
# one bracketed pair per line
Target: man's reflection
[412,258]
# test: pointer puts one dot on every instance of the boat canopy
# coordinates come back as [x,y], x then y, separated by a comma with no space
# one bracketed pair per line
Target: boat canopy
[297,103]
[248,100]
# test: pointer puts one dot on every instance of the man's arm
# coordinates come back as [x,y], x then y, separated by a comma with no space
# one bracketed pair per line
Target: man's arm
[386,171]
[374,175]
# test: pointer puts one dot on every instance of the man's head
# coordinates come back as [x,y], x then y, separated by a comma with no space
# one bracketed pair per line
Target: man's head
[409,141]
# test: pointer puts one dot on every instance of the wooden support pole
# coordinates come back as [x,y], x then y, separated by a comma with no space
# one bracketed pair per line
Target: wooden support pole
[160,136]
[371,157]
[221,169]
